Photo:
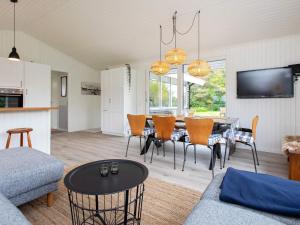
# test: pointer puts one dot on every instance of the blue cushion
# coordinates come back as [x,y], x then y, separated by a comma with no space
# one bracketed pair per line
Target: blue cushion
[262,192]
[24,169]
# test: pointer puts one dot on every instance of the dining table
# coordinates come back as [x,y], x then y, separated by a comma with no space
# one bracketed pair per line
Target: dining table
[221,124]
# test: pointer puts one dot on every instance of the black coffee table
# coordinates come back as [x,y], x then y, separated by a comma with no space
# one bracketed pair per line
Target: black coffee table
[115,199]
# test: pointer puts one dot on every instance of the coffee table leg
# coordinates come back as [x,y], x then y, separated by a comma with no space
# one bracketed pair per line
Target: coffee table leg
[126,206]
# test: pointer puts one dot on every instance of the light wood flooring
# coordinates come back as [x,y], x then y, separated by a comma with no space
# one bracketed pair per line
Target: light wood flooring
[81,147]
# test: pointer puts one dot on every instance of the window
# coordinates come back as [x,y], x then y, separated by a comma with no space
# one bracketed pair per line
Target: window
[206,96]
[163,92]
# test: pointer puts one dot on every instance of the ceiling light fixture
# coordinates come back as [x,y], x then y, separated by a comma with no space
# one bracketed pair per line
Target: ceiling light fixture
[14,56]
[199,68]
[177,56]
[160,67]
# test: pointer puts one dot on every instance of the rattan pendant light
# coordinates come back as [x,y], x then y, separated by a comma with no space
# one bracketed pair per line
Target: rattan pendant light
[199,68]
[160,67]
[175,56]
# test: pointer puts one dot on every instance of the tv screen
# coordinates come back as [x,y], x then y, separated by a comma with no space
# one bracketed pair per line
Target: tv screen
[265,83]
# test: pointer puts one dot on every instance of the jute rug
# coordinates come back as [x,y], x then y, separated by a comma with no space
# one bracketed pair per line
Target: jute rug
[164,204]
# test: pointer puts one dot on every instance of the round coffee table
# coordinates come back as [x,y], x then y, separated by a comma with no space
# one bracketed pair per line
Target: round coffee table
[114,199]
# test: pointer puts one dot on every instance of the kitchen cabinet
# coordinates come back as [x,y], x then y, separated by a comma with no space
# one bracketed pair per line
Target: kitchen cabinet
[11,73]
[37,85]
[118,98]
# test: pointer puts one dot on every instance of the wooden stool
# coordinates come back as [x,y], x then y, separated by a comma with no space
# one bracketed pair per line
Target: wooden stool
[20,131]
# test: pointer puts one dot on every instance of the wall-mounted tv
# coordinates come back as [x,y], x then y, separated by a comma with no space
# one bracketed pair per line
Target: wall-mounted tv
[265,83]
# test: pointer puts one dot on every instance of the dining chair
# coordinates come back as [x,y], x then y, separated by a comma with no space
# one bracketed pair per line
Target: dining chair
[138,129]
[244,136]
[200,133]
[164,131]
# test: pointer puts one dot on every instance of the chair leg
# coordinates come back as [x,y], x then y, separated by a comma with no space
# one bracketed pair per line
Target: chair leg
[140,143]
[29,140]
[256,153]
[152,151]
[21,140]
[174,154]
[212,162]
[254,161]
[50,199]
[8,141]
[157,150]
[127,146]
[164,151]
[195,154]
[225,152]
[185,148]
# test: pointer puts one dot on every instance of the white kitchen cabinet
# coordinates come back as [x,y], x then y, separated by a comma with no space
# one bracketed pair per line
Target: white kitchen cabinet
[11,73]
[37,85]
[118,98]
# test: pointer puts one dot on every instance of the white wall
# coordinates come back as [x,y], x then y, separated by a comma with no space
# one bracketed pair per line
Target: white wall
[277,116]
[84,110]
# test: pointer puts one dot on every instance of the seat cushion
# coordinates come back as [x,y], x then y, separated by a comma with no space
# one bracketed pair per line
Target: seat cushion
[24,169]
[238,135]
[9,214]
[211,212]
[212,140]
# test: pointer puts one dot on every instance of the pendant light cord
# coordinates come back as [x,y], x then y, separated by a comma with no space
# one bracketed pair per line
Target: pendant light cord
[198,13]
[176,31]
[160,41]
[14,24]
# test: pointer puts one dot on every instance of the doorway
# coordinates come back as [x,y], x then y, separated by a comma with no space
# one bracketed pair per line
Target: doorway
[59,98]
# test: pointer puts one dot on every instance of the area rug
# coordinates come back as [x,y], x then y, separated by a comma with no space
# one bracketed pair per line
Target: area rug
[164,204]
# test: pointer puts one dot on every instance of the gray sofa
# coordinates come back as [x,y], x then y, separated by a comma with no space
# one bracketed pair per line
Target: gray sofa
[211,211]
[26,174]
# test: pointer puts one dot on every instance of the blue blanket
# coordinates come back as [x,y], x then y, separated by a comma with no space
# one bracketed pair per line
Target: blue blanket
[262,192]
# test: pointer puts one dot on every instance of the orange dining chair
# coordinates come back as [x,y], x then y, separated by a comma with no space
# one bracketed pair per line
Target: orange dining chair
[244,136]
[200,133]
[164,131]
[138,129]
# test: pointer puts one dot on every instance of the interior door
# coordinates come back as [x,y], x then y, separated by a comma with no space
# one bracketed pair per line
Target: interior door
[105,100]
[37,85]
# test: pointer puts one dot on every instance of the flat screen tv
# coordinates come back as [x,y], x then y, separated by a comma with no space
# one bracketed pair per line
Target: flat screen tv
[265,83]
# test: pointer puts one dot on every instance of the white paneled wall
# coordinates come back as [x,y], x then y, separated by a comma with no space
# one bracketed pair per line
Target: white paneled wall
[278,117]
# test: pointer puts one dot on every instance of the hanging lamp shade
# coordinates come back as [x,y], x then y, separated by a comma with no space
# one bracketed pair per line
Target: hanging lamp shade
[14,56]
[160,68]
[199,68]
[175,56]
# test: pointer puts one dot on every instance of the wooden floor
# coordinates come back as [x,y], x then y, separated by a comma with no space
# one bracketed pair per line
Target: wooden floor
[82,147]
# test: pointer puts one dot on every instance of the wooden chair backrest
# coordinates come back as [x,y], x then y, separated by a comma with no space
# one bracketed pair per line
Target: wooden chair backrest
[199,130]
[164,126]
[254,126]
[137,124]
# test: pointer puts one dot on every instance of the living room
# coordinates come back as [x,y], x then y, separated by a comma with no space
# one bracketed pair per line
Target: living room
[97,129]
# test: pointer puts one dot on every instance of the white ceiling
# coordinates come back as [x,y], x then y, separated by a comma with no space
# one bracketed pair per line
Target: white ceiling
[109,32]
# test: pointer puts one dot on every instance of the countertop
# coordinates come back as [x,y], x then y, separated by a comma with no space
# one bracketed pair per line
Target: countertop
[21,109]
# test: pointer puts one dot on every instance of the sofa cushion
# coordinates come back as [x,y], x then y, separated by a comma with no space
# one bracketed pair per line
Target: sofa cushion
[211,212]
[9,214]
[24,169]
[213,192]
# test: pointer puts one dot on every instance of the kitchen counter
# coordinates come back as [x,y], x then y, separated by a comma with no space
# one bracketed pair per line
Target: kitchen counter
[37,118]
[27,109]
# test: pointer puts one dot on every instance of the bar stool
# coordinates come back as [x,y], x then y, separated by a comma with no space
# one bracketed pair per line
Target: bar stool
[20,131]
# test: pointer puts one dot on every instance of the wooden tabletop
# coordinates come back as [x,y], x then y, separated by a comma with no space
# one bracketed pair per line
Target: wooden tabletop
[21,109]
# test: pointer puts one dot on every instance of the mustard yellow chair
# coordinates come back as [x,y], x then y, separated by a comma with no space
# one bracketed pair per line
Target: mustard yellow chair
[200,133]
[164,131]
[245,136]
[137,129]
